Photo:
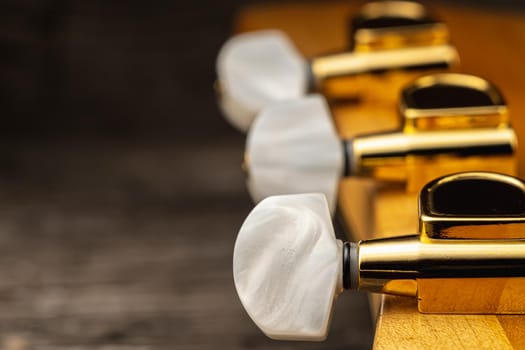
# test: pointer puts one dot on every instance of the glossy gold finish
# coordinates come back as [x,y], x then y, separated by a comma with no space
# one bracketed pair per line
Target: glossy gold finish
[449,265]
[442,220]
[376,66]
[421,170]
[393,42]
[407,288]
[441,135]
[370,207]
[406,24]
[418,117]
[350,63]
[392,156]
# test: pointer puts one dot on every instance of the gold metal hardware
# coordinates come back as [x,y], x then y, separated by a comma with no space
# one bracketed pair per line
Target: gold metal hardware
[473,206]
[393,155]
[448,100]
[351,73]
[469,256]
[451,122]
[392,24]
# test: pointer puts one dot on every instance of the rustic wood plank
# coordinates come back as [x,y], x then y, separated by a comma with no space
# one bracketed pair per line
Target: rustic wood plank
[114,245]
[120,182]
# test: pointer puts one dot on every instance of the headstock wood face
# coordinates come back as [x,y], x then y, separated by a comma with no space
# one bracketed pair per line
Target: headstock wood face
[495,54]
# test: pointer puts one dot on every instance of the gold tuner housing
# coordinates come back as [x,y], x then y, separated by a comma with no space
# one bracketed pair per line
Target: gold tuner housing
[469,256]
[451,122]
[478,206]
[381,25]
[448,100]
[377,75]
[394,42]
[447,104]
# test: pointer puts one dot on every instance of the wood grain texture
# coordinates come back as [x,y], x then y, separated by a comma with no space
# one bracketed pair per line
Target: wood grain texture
[400,326]
[120,182]
[491,44]
[117,245]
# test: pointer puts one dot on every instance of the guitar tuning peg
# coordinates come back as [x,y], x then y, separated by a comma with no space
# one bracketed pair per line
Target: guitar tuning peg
[288,267]
[392,24]
[293,146]
[255,69]
[452,100]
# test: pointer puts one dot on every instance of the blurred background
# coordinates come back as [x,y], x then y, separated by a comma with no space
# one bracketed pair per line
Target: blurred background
[120,183]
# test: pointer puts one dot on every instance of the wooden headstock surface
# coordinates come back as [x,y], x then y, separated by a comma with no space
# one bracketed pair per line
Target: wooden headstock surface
[491,44]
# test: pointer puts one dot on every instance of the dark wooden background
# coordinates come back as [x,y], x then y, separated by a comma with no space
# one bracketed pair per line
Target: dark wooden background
[120,184]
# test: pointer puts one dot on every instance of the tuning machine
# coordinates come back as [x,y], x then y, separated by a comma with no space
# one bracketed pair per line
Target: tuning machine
[258,68]
[381,25]
[293,146]
[289,268]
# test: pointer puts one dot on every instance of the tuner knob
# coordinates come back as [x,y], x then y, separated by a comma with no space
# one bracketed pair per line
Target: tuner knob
[255,69]
[293,147]
[287,266]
